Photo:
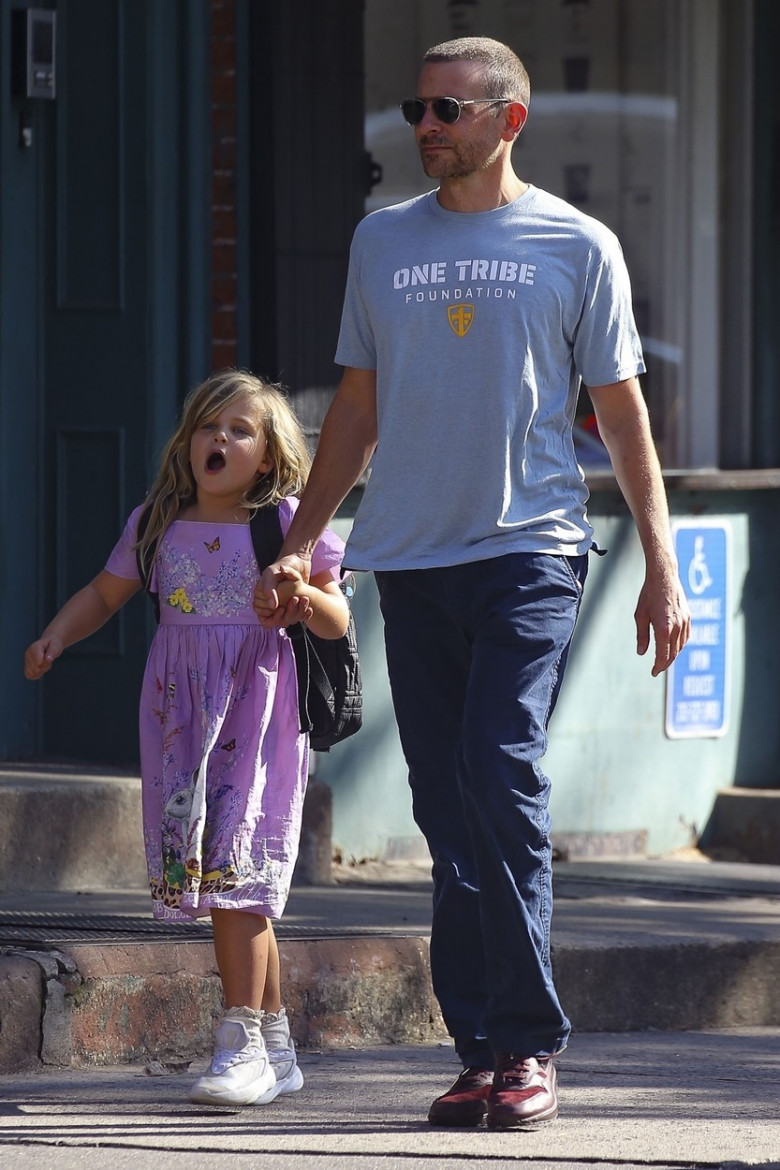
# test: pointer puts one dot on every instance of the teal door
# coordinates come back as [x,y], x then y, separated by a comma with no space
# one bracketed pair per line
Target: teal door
[95,372]
[108,357]
[105,299]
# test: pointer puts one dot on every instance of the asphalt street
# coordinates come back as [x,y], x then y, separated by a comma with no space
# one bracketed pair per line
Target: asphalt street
[638,1099]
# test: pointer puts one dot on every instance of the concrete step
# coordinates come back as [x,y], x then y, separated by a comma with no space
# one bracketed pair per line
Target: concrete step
[745,826]
[71,827]
[81,828]
[67,827]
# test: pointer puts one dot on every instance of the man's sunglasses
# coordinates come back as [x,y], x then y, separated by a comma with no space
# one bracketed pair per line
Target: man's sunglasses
[446,109]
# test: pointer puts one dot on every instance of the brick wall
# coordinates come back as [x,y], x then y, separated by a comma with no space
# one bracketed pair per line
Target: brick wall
[224,265]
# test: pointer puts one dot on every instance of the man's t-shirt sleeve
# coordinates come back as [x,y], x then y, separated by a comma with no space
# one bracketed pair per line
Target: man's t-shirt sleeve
[356,345]
[607,348]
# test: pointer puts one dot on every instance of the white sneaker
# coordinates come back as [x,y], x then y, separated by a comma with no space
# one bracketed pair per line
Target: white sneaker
[281,1051]
[240,1071]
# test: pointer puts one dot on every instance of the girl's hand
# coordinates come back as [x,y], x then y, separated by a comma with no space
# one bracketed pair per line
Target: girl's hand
[40,656]
[82,614]
[279,617]
[294,599]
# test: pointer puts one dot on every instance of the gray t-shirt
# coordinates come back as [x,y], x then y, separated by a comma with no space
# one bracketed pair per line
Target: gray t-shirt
[480,327]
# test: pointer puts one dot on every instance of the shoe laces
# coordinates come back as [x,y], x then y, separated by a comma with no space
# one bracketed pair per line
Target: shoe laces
[522,1069]
[474,1076]
[280,1055]
[225,1058]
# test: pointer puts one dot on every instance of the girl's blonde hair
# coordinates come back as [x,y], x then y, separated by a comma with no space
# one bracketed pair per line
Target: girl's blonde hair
[286,452]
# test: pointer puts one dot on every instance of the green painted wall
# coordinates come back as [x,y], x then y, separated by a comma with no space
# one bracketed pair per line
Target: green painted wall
[613,768]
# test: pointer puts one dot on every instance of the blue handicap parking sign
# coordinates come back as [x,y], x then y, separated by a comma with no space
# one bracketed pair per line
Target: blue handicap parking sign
[697,687]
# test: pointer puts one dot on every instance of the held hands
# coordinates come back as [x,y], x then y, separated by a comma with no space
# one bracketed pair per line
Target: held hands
[663,607]
[281,598]
[41,655]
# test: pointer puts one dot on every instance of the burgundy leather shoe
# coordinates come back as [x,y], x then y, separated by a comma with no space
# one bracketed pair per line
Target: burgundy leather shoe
[524,1093]
[465,1102]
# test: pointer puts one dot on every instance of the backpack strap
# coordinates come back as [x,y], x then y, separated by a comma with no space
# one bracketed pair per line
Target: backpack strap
[267,536]
[312,676]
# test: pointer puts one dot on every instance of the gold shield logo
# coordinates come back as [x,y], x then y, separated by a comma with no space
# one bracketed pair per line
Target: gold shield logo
[460,318]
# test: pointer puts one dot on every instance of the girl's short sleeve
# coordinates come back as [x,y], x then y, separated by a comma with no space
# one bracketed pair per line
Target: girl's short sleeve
[122,561]
[329,550]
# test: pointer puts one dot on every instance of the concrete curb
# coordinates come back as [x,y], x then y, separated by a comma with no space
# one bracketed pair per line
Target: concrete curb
[21,1013]
[678,986]
[98,1004]
[124,1003]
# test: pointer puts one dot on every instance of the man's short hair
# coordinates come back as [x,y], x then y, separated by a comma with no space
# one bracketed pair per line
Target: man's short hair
[503,73]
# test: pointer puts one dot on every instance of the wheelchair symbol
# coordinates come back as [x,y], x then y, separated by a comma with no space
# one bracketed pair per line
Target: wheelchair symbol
[699,577]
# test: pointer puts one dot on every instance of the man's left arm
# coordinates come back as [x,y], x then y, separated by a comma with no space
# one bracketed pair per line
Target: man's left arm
[624,427]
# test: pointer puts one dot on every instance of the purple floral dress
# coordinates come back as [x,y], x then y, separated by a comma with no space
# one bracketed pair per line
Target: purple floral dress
[223,763]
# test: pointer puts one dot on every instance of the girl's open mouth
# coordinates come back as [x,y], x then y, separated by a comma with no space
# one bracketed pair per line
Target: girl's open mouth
[215,461]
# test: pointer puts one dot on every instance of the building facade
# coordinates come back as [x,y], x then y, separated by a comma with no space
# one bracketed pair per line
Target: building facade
[179,182]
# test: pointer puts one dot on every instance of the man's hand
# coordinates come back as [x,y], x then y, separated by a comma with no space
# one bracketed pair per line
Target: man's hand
[276,604]
[662,607]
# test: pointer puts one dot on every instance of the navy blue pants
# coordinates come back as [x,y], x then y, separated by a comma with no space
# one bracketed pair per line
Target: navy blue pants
[476,654]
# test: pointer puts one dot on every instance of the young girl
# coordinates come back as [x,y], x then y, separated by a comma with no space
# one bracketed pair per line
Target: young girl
[223,762]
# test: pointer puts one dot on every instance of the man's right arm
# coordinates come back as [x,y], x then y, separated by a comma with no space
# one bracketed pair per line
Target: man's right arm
[347,442]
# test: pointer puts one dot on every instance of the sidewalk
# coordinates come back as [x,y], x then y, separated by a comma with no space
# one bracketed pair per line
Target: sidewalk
[89,978]
[655,1099]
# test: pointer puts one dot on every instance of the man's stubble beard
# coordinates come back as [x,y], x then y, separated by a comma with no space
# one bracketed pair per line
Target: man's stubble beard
[463,160]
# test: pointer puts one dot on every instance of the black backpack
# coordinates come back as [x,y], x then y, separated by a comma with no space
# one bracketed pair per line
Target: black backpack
[330,689]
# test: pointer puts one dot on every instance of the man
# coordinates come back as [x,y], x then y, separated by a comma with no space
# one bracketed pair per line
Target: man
[471,316]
